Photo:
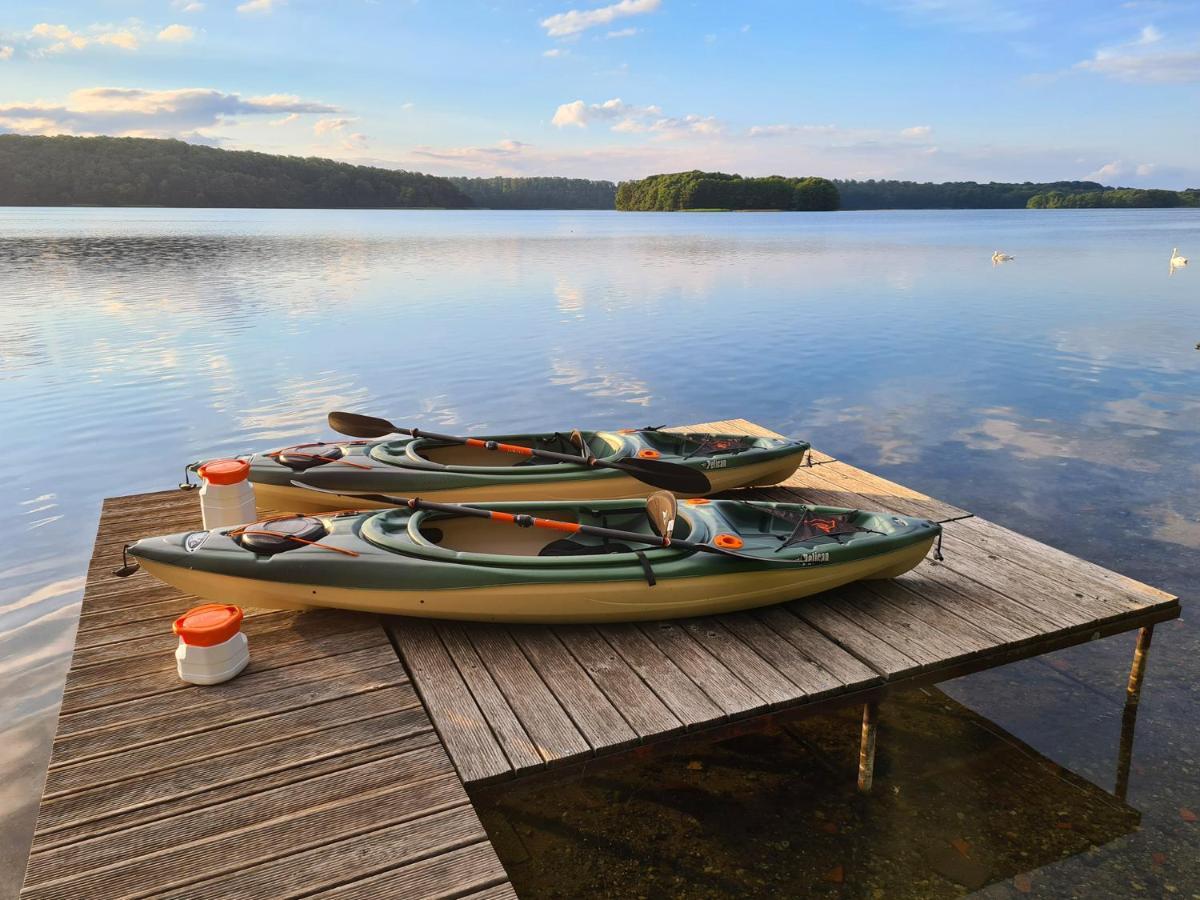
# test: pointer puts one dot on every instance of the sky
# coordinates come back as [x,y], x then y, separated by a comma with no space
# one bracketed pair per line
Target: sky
[940,90]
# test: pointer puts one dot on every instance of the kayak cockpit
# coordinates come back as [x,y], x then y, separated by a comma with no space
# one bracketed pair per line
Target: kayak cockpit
[425,451]
[484,541]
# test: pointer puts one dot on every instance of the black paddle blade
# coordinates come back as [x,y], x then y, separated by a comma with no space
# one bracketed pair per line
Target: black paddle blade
[354,425]
[666,475]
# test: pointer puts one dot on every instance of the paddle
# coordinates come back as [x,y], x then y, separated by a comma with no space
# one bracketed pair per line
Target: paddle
[665,475]
[526,521]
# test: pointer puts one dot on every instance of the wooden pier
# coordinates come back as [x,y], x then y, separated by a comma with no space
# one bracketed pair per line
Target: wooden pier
[333,768]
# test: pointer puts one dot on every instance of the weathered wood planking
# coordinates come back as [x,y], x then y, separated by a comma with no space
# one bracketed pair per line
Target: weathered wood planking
[510,701]
[316,772]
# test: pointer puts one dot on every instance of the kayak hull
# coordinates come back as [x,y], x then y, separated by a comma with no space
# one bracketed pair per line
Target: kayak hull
[271,496]
[449,565]
[331,473]
[558,603]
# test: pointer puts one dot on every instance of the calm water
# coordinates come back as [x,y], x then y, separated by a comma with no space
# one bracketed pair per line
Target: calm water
[1058,394]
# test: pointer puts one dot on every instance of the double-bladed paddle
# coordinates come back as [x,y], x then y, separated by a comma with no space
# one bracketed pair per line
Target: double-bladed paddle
[661,507]
[665,475]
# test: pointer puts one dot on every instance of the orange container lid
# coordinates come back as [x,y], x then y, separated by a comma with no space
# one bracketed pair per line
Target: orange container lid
[208,625]
[225,471]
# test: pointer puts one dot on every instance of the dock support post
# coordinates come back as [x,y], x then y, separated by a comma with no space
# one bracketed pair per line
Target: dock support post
[1133,694]
[866,748]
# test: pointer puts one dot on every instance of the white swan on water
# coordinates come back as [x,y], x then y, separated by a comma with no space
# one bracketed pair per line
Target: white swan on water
[1000,256]
[1176,259]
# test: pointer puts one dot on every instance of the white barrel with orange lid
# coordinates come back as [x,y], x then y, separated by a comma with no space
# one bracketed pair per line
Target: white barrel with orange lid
[211,647]
[227,497]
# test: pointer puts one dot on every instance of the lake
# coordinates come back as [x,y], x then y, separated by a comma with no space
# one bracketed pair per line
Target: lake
[1057,394]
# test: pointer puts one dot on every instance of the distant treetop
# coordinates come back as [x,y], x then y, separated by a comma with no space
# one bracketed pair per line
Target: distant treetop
[717,190]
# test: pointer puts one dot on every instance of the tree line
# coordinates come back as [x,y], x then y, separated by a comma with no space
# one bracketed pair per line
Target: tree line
[884,194]
[105,171]
[717,190]
[538,193]
[1116,198]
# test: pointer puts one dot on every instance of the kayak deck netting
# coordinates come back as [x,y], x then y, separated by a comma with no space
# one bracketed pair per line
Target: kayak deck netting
[330,767]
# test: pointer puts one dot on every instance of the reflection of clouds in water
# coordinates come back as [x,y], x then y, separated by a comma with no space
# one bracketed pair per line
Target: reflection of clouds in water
[1158,411]
[597,383]
[1036,438]
[570,298]
[1173,528]
[897,419]
[1143,344]
[301,406]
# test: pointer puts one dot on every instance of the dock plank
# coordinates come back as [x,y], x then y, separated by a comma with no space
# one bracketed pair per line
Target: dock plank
[460,722]
[638,704]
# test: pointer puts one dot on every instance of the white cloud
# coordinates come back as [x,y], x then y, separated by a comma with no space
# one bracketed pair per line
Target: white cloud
[1118,169]
[188,6]
[917,131]
[575,21]
[260,7]
[355,141]
[137,112]
[554,52]
[329,126]
[286,120]
[1149,35]
[1146,59]
[5,53]
[407,105]
[629,119]
[622,33]
[176,34]
[64,39]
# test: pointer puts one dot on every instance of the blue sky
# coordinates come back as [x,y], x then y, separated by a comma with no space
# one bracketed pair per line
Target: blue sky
[922,89]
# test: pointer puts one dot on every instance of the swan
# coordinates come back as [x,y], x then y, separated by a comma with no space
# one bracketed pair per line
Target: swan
[1176,259]
[1000,256]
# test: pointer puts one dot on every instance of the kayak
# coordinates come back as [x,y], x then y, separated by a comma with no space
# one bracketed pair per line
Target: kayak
[438,470]
[449,565]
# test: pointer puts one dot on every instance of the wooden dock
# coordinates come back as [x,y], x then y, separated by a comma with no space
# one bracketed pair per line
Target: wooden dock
[315,773]
[331,769]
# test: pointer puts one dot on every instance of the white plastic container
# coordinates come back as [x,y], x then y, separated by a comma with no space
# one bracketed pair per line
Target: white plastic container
[211,647]
[227,497]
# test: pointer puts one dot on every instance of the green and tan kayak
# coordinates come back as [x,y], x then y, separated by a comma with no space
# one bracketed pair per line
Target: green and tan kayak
[441,471]
[451,565]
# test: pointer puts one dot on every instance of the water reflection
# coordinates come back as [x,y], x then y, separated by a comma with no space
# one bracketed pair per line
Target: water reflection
[1056,395]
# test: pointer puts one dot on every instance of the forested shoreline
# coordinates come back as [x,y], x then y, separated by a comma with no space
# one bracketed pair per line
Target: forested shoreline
[883,194]
[696,190]
[105,171]
[537,192]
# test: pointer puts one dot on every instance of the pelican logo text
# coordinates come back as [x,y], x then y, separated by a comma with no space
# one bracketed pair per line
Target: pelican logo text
[814,556]
[715,463]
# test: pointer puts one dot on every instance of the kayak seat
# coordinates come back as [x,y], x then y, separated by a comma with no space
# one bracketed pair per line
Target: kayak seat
[567,547]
